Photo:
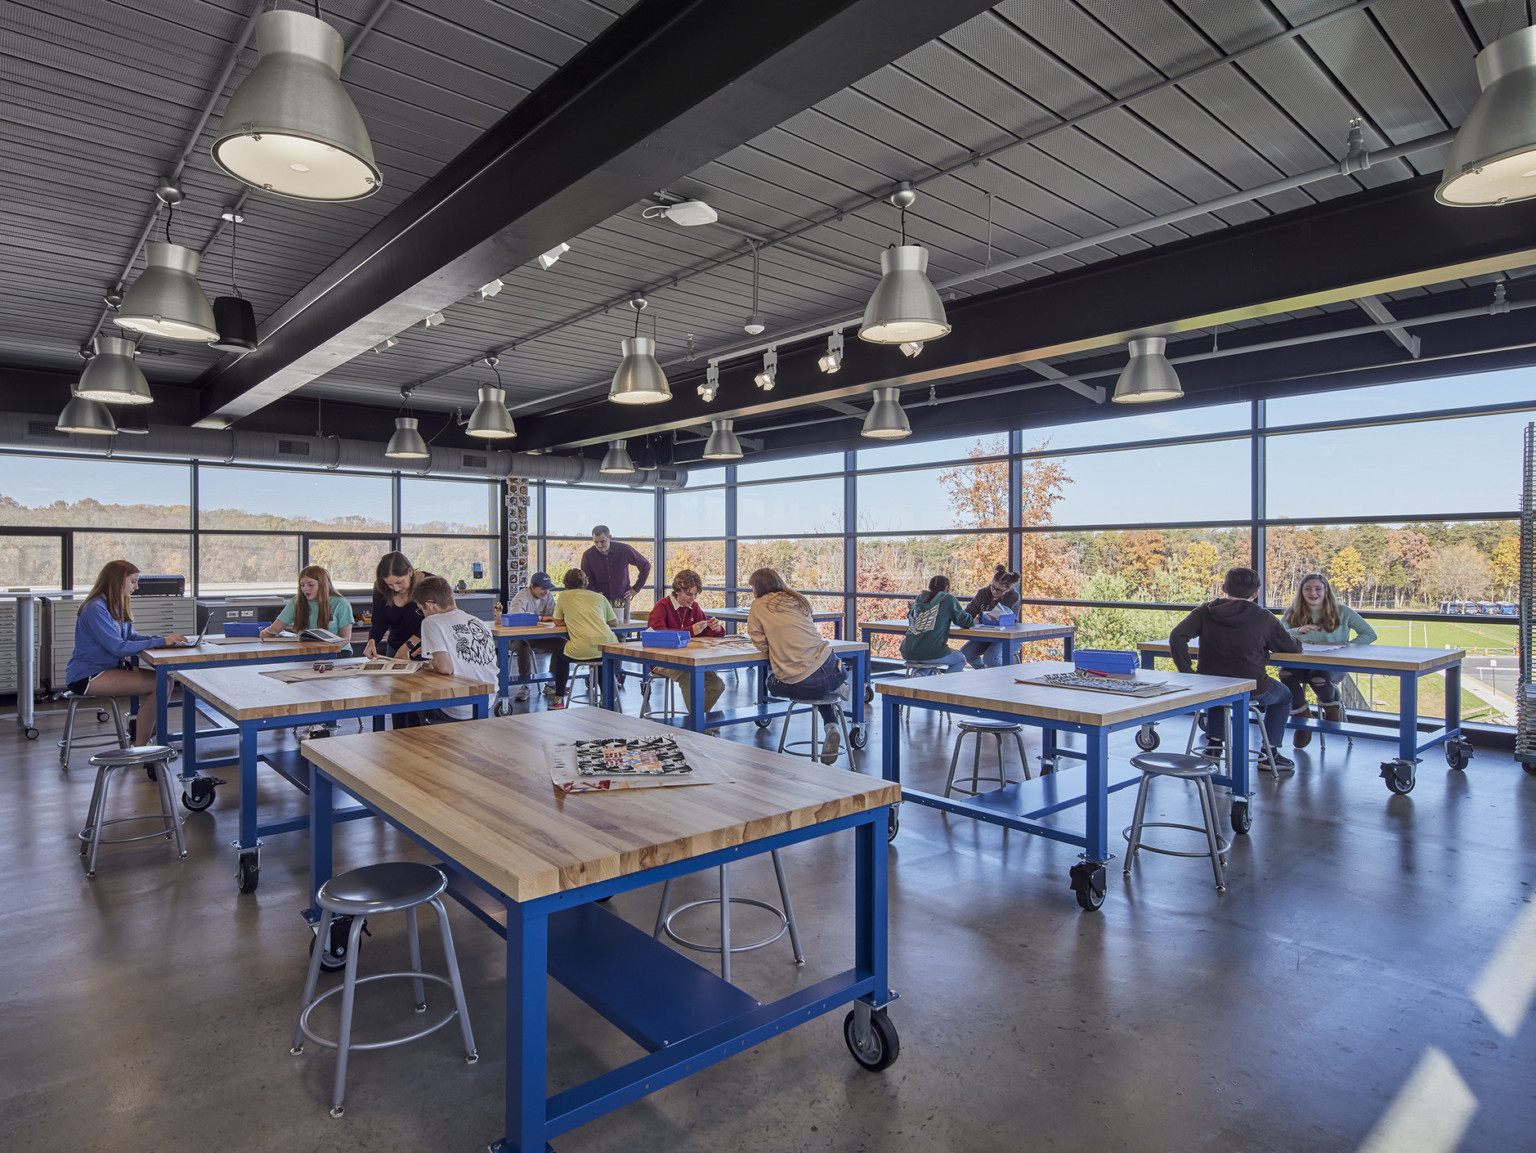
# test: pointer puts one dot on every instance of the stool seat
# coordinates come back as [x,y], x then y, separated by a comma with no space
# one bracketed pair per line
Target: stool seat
[1174,764]
[974,726]
[972,786]
[105,707]
[384,888]
[158,757]
[926,665]
[135,755]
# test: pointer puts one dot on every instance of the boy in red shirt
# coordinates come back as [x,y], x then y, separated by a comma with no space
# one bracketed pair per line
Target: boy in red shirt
[681,611]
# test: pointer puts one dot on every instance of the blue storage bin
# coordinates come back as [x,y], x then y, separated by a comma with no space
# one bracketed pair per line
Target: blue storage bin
[1106,661]
[518,620]
[664,638]
[1006,620]
[244,628]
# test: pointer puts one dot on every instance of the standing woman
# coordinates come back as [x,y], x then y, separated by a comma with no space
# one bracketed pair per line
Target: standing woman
[105,645]
[801,663]
[1316,617]
[318,606]
[396,627]
[1000,593]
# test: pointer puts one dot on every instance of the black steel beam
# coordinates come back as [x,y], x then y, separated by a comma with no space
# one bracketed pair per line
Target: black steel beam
[668,87]
[1374,242]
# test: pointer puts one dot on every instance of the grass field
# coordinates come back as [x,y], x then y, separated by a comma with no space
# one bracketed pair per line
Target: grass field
[1482,637]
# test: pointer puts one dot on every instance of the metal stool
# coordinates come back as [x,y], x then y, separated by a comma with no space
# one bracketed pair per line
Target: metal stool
[812,748]
[668,708]
[74,703]
[1200,770]
[392,887]
[157,757]
[1260,753]
[924,669]
[979,729]
[786,916]
[588,671]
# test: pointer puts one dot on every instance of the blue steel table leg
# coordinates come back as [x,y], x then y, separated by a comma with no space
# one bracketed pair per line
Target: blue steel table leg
[890,738]
[696,718]
[1066,650]
[248,738]
[610,696]
[837,628]
[860,679]
[527,1027]
[1097,804]
[1408,715]
[480,710]
[1148,661]
[1048,745]
[1014,648]
[1452,700]
[870,880]
[320,828]
[1241,787]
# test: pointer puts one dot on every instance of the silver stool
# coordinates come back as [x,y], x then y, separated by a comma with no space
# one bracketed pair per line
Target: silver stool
[669,707]
[811,749]
[590,672]
[392,887]
[924,669]
[104,706]
[979,729]
[1200,770]
[785,915]
[1260,752]
[154,757]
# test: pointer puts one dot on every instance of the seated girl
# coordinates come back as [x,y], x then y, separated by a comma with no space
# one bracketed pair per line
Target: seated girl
[317,606]
[930,618]
[587,616]
[1316,617]
[681,611]
[999,595]
[801,663]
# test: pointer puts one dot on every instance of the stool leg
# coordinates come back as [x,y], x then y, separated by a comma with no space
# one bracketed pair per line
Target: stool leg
[105,781]
[1018,739]
[661,912]
[311,980]
[1141,812]
[725,923]
[789,910]
[789,712]
[451,958]
[842,725]
[1208,807]
[168,806]
[92,814]
[69,731]
[123,741]
[348,997]
[415,945]
[1194,727]
[953,761]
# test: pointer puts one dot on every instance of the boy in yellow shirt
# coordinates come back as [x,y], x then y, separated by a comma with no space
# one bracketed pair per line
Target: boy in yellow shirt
[587,616]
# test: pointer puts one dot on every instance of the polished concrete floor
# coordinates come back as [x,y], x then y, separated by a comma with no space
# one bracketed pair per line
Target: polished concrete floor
[1364,982]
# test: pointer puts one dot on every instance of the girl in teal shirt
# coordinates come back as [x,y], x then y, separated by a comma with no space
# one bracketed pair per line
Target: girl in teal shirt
[1316,617]
[318,606]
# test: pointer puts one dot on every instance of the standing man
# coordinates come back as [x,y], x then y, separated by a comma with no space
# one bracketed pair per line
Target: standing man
[607,565]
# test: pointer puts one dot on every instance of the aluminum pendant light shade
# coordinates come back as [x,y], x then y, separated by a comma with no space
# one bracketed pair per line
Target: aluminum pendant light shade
[291,128]
[639,379]
[1493,159]
[111,377]
[905,306]
[1148,377]
[491,418]
[236,322]
[166,299]
[406,443]
[616,460]
[87,418]
[885,419]
[722,443]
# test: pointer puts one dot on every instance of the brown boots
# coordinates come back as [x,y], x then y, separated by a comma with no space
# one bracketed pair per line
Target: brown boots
[1300,738]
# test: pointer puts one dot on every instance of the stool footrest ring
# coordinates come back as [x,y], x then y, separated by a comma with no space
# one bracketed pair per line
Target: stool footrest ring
[354,1046]
[703,948]
[1222,844]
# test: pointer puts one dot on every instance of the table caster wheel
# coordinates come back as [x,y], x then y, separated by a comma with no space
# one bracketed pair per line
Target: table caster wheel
[1147,738]
[31,733]
[1399,776]
[892,824]
[1088,882]
[101,716]
[869,694]
[1457,754]
[763,724]
[503,708]
[334,954]
[880,1048]
[198,795]
[1242,817]
[857,737]
[247,873]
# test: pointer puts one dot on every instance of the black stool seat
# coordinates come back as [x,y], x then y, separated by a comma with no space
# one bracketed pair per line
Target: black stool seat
[383,888]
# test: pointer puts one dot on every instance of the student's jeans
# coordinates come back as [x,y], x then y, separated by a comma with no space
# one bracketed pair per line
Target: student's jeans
[1276,703]
[560,666]
[984,654]
[952,661]
[824,682]
[1324,683]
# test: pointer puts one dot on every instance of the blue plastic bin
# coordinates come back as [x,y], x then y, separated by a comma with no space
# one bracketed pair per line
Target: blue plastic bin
[518,620]
[1105,661]
[244,628]
[664,638]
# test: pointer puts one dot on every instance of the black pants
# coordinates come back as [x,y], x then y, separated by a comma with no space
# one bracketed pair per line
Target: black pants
[1324,684]
[527,654]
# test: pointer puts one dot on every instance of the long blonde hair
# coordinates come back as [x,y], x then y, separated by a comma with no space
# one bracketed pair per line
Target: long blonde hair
[322,602]
[1300,612]
[112,587]
[767,580]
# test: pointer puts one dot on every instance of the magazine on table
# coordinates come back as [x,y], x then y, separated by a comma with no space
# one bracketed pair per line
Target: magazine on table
[612,763]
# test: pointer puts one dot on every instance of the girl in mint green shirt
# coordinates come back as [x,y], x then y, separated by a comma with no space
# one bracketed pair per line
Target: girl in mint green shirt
[1316,617]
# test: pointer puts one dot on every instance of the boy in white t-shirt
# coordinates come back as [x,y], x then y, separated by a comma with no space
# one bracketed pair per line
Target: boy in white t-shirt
[453,643]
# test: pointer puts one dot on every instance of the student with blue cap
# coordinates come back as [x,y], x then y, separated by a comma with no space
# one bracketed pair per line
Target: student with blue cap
[539,599]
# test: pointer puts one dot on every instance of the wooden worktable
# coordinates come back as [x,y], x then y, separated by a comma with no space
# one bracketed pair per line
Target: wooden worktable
[711,651]
[243,693]
[1366,658]
[225,652]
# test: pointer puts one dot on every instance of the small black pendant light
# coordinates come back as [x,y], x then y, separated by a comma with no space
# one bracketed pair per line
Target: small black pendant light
[233,315]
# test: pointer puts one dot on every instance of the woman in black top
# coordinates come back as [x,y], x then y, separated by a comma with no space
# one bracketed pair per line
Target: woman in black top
[1001,592]
[396,627]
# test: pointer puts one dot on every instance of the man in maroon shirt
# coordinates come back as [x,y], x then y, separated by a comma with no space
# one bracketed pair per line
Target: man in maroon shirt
[607,565]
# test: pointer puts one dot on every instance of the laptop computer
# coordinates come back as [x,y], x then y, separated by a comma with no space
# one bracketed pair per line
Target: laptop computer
[192,644]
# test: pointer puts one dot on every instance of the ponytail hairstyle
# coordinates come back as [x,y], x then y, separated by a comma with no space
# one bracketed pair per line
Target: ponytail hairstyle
[322,600]
[1005,578]
[938,584]
[767,580]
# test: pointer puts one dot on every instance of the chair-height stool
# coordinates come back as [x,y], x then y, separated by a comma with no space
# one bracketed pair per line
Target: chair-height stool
[785,915]
[155,757]
[590,672]
[978,729]
[924,669]
[812,749]
[1200,770]
[669,707]
[105,706]
[390,887]
[1260,752]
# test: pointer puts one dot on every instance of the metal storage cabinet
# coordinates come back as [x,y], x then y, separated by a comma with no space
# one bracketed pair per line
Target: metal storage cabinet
[152,616]
[8,649]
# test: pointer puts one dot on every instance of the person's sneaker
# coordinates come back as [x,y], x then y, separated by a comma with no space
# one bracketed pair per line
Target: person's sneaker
[1276,761]
[549,691]
[556,703]
[830,747]
[521,694]
[1301,737]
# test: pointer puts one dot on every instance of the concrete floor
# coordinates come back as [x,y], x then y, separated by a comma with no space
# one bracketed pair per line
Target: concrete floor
[1322,999]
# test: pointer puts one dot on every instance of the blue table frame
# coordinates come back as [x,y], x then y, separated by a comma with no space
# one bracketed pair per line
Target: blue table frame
[760,714]
[1023,806]
[738,616]
[505,680]
[683,1015]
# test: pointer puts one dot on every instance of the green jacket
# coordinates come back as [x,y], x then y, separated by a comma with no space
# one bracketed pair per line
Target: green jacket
[930,618]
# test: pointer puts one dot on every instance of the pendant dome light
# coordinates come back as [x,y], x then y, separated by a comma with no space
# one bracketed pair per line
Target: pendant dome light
[755,324]
[491,419]
[111,377]
[905,306]
[616,460]
[1493,158]
[233,315]
[1147,376]
[639,379]
[406,443]
[885,419]
[291,128]
[87,418]
[722,443]
[166,299]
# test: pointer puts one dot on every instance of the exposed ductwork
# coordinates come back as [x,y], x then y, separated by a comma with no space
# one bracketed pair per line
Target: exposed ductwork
[35,430]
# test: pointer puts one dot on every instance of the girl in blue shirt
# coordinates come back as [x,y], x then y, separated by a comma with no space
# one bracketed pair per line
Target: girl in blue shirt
[318,606]
[105,645]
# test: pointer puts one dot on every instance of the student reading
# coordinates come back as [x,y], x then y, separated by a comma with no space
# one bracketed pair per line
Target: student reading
[538,599]
[801,663]
[587,616]
[317,606]
[928,622]
[396,622]
[454,644]
[681,611]
[1317,618]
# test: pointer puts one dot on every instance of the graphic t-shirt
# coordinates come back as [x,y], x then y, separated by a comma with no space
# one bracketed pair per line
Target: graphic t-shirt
[469,645]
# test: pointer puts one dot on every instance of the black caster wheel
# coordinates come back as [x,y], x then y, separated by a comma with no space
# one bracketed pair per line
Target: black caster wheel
[892,824]
[149,771]
[1242,817]
[248,873]
[1457,754]
[869,694]
[1399,776]
[883,1046]
[31,733]
[503,708]
[101,716]
[1528,768]
[1088,882]
[334,954]
[858,738]
[763,724]
[198,795]
[1147,738]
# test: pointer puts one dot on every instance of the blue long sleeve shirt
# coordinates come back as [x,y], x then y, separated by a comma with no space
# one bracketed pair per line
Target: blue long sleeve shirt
[101,641]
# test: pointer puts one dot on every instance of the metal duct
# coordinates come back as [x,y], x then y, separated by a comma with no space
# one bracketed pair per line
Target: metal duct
[237,446]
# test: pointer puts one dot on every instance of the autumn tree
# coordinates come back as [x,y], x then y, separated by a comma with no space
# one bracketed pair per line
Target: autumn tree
[1346,570]
[1506,566]
[1458,573]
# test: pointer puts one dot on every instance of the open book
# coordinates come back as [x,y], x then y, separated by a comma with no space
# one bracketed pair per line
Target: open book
[320,635]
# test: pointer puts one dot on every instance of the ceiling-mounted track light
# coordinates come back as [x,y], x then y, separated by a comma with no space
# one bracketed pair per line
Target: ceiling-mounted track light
[291,128]
[491,288]
[166,299]
[386,344]
[905,307]
[755,324]
[86,417]
[911,347]
[885,419]
[1493,158]
[769,375]
[1147,376]
[547,260]
[111,377]
[832,360]
[722,443]
[491,419]
[639,379]
[616,460]
[711,384]
[233,315]
[406,443]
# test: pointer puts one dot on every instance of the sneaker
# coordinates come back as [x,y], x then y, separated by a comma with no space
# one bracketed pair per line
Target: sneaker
[1275,762]
[711,732]
[521,694]
[549,691]
[557,703]
[830,747]
[1301,737]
